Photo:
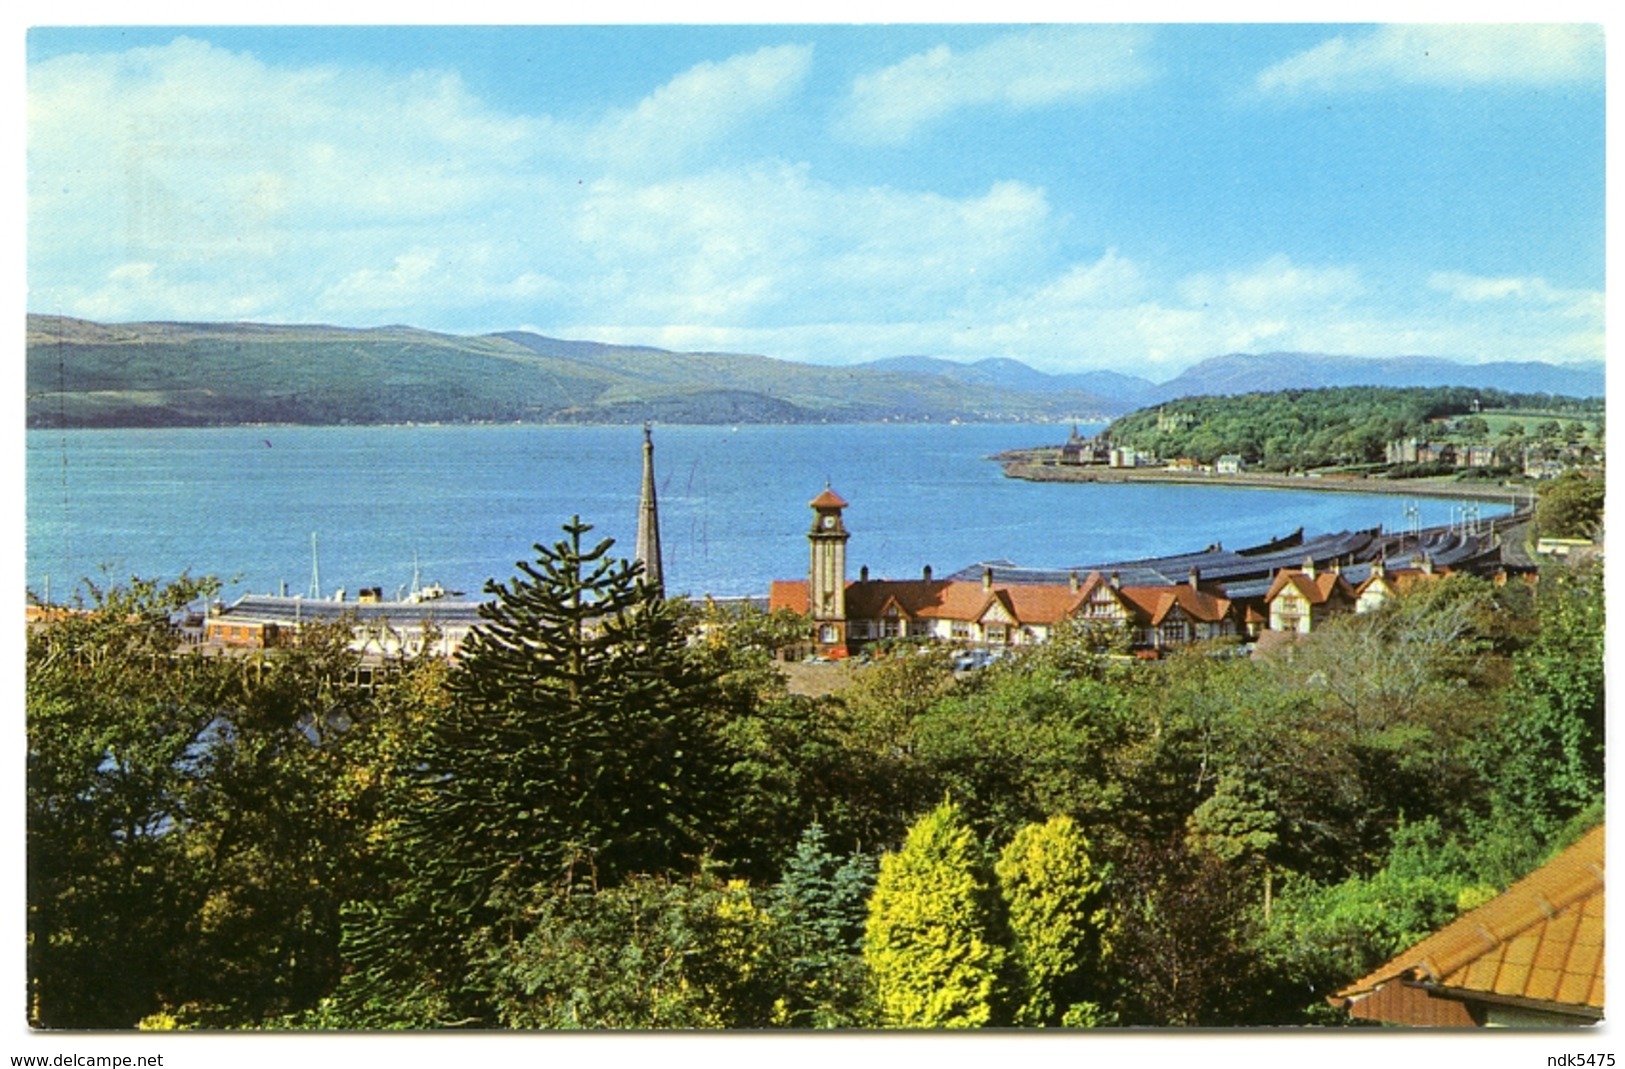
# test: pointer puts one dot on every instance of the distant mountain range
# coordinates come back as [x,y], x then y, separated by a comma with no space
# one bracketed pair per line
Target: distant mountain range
[1237,373]
[85,374]
[1244,373]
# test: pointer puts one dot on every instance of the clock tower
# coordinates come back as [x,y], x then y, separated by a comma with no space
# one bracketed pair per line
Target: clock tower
[826,585]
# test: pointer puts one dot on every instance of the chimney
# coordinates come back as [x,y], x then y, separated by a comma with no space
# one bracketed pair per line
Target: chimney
[1379,568]
[1072,581]
[1427,564]
[1195,577]
[1309,567]
[1117,581]
[987,579]
[863,574]
[927,573]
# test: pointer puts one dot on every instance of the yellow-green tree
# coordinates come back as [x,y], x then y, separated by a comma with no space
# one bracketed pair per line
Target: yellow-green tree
[930,941]
[1051,891]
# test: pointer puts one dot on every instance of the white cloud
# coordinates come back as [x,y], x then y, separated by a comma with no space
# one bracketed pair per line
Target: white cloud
[193,182]
[1035,68]
[770,243]
[263,179]
[1110,281]
[1453,55]
[700,106]
[1275,283]
[411,276]
[1475,289]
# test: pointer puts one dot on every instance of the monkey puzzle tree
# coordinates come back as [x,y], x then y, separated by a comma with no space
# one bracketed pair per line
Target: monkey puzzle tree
[576,750]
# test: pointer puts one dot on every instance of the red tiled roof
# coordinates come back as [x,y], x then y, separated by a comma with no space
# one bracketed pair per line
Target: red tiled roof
[1538,944]
[1403,580]
[829,499]
[1028,604]
[1150,605]
[790,594]
[1318,589]
[935,599]
[920,599]
[1042,604]
[1159,602]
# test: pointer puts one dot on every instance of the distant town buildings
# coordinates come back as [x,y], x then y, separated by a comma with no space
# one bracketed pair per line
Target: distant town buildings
[1449,454]
[1289,586]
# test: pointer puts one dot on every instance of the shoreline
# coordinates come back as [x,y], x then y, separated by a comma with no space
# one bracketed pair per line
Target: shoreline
[1341,484]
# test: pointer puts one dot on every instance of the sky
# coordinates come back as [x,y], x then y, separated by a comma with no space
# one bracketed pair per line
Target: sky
[1133,198]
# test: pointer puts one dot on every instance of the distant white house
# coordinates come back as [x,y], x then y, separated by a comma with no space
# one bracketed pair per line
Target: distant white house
[1229,464]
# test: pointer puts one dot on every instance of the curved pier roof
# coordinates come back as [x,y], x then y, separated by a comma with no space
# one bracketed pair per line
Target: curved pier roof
[1240,570]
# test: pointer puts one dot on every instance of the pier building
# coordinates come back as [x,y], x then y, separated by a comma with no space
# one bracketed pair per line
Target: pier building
[426,623]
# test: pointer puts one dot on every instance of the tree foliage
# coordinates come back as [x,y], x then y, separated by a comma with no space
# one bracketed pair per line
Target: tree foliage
[1547,754]
[1570,506]
[577,747]
[1298,429]
[650,952]
[930,941]
[200,820]
[1057,921]
[611,812]
[818,909]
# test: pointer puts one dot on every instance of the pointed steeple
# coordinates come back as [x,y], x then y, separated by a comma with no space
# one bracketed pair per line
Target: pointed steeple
[648,552]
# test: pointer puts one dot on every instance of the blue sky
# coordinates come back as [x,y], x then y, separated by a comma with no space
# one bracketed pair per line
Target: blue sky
[1135,198]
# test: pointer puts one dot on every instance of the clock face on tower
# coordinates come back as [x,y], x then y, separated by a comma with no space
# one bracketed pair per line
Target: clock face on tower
[829,523]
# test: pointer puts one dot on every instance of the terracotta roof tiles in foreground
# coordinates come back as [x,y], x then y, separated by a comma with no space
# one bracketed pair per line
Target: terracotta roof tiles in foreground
[1537,948]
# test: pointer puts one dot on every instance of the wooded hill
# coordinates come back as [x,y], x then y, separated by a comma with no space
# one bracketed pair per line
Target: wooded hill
[83,374]
[1317,428]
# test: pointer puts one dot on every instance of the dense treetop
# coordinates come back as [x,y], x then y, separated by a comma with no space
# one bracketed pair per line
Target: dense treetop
[1315,428]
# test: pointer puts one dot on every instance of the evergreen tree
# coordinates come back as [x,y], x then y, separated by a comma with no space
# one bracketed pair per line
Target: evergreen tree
[818,910]
[576,750]
[930,941]
[1051,891]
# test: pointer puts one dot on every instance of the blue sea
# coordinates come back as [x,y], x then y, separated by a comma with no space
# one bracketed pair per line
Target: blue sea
[466,502]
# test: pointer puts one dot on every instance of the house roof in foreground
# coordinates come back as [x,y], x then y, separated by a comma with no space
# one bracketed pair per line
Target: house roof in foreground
[1537,945]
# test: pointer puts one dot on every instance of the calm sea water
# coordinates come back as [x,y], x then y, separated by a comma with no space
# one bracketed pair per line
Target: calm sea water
[243,503]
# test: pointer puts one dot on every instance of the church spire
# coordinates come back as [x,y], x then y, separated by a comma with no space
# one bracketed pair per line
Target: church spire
[648,552]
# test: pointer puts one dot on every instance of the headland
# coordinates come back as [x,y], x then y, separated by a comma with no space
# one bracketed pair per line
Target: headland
[1019,465]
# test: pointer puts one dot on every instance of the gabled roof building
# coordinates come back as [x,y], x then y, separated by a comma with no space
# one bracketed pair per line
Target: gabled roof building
[1289,585]
[1301,598]
[989,610]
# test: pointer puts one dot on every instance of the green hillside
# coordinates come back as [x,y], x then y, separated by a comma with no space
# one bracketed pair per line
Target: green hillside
[1285,429]
[83,374]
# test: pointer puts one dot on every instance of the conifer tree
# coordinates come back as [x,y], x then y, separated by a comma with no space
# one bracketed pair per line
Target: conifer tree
[929,941]
[576,751]
[1051,891]
[817,910]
